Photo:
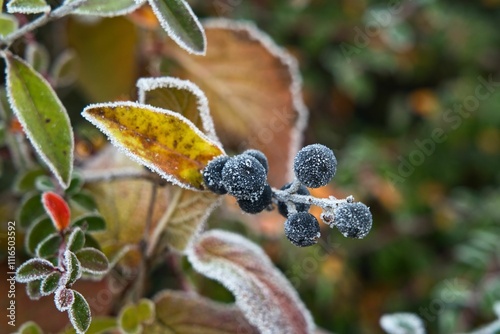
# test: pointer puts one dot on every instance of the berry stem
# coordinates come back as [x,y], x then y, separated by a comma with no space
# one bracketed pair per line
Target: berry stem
[324,203]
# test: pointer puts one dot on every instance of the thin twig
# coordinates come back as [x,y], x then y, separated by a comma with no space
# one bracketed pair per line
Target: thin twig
[42,20]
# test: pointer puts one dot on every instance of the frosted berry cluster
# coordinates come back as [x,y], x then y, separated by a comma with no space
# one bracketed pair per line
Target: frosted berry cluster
[244,176]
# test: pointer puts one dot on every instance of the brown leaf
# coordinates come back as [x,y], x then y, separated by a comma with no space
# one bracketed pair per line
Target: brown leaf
[182,313]
[254,90]
[263,294]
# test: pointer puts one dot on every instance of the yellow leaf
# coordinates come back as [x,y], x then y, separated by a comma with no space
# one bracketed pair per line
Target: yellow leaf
[159,139]
[254,91]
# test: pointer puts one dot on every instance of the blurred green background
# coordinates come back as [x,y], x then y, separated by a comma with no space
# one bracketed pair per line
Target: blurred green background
[397,89]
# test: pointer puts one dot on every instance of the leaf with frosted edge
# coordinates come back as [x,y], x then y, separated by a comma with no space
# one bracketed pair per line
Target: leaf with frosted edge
[177,18]
[8,24]
[108,8]
[57,209]
[181,96]
[43,117]
[99,325]
[175,310]
[29,327]
[49,246]
[265,296]
[25,181]
[28,6]
[145,310]
[44,183]
[92,261]
[40,230]
[50,283]
[128,320]
[186,220]
[398,323]
[34,269]
[76,240]
[258,106]
[73,267]
[37,56]
[30,210]
[79,313]
[84,201]
[65,69]
[159,139]
[33,290]
[91,222]
[64,298]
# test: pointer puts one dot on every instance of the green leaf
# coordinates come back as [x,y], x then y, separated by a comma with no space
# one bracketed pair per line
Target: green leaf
[90,222]
[92,261]
[108,8]
[26,181]
[8,24]
[40,230]
[98,325]
[79,313]
[37,56]
[30,327]
[73,267]
[65,69]
[181,24]
[76,240]
[34,269]
[43,117]
[44,183]
[30,209]
[91,242]
[49,246]
[28,6]
[145,310]
[128,320]
[84,200]
[33,289]
[75,185]
[50,283]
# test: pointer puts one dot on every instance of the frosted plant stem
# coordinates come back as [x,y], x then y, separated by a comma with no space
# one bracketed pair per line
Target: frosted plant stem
[325,203]
[42,20]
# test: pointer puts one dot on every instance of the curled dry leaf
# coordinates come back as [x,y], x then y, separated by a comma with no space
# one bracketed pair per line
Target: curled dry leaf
[175,310]
[264,295]
[254,90]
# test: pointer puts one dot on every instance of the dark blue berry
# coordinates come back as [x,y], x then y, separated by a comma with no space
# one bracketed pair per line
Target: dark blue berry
[353,220]
[259,156]
[259,205]
[302,229]
[300,207]
[315,165]
[244,177]
[212,175]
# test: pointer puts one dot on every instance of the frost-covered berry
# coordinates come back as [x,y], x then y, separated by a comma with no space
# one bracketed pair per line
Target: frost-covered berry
[253,207]
[353,220]
[244,177]
[300,207]
[315,165]
[259,156]
[302,229]
[212,175]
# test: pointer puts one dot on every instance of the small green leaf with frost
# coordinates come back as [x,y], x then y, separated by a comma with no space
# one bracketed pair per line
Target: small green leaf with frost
[8,24]
[50,283]
[92,261]
[29,327]
[37,56]
[40,230]
[49,246]
[42,115]
[90,222]
[76,240]
[73,267]
[33,270]
[33,289]
[64,298]
[108,8]
[28,6]
[79,313]
[181,24]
